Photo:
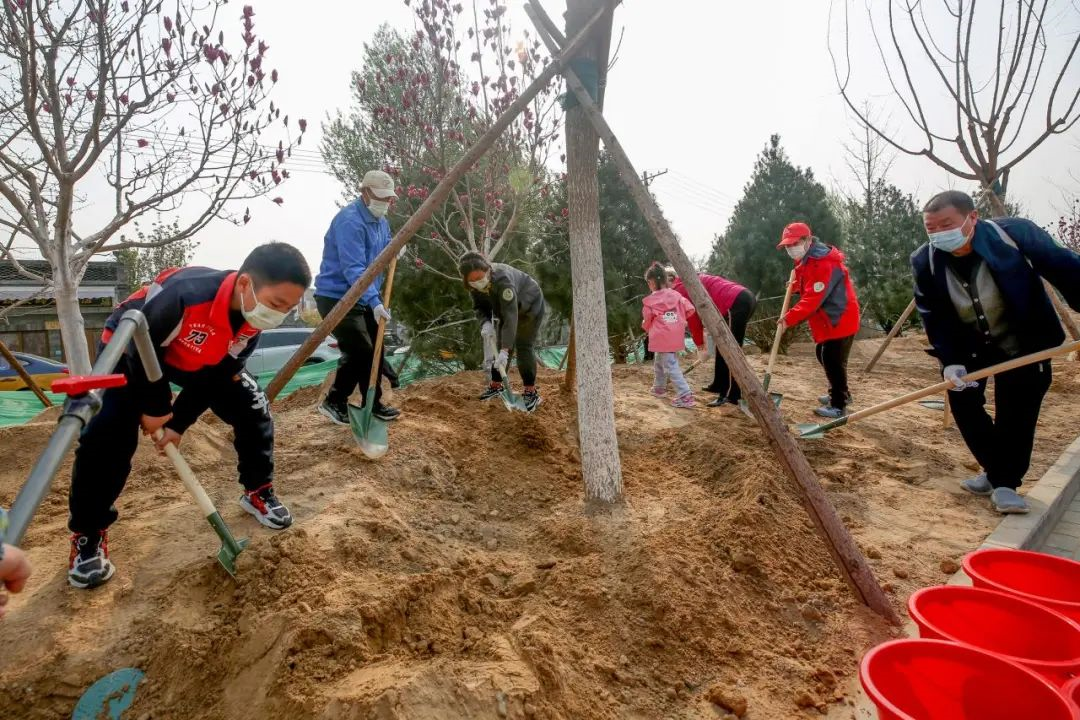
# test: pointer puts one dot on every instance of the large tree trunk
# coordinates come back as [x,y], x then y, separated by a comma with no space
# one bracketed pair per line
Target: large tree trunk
[72,328]
[600,463]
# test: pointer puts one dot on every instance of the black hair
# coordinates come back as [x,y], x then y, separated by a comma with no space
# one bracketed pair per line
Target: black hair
[277,262]
[472,261]
[658,274]
[954,199]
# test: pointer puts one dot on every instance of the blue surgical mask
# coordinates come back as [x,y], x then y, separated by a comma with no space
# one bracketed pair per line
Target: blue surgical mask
[949,240]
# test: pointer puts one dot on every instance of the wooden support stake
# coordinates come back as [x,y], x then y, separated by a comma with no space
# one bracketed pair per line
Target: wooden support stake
[26,377]
[892,333]
[849,559]
[948,412]
[434,201]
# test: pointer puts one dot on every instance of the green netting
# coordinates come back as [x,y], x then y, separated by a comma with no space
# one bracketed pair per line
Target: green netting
[18,407]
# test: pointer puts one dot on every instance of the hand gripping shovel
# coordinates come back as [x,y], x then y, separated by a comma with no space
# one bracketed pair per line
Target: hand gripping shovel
[777,398]
[509,398]
[811,431]
[230,546]
[369,431]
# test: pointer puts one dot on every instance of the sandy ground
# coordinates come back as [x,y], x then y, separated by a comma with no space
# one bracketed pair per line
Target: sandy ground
[459,577]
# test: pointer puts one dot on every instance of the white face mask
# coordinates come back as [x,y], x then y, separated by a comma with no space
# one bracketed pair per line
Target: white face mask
[949,240]
[481,284]
[797,252]
[262,317]
[378,208]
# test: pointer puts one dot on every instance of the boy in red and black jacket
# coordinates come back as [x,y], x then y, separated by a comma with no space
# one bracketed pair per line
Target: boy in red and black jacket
[828,303]
[204,324]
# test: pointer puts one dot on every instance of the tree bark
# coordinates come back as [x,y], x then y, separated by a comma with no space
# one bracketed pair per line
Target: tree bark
[600,464]
[849,559]
[72,327]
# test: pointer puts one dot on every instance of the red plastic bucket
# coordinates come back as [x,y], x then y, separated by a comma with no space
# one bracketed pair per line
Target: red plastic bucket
[940,680]
[1026,633]
[1072,691]
[1048,580]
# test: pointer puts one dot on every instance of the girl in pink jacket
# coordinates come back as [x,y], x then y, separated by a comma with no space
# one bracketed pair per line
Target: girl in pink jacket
[664,315]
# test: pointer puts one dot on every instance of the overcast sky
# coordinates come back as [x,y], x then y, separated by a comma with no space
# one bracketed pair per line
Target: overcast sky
[697,89]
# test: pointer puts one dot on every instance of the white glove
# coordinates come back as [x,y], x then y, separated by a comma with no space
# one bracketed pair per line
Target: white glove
[954,373]
[502,361]
[487,330]
[381,313]
[401,253]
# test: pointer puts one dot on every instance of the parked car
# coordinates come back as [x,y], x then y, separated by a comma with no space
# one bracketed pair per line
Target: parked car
[277,346]
[42,370]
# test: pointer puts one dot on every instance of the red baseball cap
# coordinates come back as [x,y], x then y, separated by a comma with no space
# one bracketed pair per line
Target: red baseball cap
[794,233]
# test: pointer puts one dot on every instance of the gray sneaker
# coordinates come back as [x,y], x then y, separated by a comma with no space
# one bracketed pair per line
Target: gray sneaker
[978,485]
[1007,502]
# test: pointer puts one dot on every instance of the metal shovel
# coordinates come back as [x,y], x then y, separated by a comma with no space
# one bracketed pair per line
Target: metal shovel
[230,546]
[511,400]
[777,398]
[369,431]
[810,431]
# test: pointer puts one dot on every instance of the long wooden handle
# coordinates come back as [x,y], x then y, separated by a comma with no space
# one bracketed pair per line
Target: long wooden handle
[780,323]
[892,333]
[377,355]
[26,377]
[206,505]
[946,385]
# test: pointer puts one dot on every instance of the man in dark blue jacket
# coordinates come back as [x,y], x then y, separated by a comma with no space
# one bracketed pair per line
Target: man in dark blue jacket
[358,233]
[979,288]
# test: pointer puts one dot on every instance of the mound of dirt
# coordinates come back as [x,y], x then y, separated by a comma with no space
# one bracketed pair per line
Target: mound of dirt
[460,576]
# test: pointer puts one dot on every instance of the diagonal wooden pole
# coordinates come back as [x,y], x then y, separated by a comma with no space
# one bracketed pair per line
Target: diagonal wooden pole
[26,377]
[849,559]
[893,332]
[434,201]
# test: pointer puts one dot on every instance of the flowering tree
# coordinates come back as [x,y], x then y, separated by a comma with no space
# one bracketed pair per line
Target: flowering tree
[154,105]
[420,101]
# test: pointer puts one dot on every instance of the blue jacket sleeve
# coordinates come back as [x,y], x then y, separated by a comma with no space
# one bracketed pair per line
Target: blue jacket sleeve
[1059,265]
[355,246]
[937,321]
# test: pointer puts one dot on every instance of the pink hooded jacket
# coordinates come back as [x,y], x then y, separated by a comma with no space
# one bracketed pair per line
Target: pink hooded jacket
[664,314]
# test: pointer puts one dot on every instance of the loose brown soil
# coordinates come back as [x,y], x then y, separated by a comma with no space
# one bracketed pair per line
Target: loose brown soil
[460,577]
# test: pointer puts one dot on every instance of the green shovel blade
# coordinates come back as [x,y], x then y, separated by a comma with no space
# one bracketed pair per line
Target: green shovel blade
[369,431]
[511,400]
[810,431]
[933,404]
[230,546]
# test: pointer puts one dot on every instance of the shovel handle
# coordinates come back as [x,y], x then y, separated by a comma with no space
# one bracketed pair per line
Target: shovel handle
[376,356]
[780,323]
[947,385]
[206,505]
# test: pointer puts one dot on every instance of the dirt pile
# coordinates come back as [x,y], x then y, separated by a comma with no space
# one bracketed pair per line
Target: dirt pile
[460,578]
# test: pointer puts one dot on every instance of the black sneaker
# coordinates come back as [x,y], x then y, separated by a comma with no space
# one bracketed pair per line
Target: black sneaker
[721,401]
[267,509]
[89,565]
[532,400]
[337,412]
[492,391]
[385,412]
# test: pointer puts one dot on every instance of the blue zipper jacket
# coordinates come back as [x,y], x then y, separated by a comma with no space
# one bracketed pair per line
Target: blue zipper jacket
[1018,272]
[354,240]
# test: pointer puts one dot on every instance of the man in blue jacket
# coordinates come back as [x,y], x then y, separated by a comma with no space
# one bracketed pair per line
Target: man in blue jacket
[358,233]
[979,288]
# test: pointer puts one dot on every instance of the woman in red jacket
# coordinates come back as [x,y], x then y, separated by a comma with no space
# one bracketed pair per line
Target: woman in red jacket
[736,305]
[828,303]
